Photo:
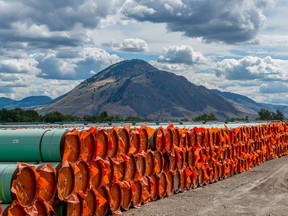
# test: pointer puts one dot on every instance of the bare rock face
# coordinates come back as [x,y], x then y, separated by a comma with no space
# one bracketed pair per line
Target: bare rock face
[136,88]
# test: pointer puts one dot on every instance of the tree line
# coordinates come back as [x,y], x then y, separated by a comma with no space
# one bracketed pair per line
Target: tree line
[265,114]
[20,115]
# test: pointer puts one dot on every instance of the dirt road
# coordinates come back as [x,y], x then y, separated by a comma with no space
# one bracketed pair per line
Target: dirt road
[263,190]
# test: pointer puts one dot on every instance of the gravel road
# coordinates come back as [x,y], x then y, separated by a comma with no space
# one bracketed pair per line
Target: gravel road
[263,190]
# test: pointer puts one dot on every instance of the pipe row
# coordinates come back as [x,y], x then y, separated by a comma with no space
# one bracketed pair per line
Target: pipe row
[105,171]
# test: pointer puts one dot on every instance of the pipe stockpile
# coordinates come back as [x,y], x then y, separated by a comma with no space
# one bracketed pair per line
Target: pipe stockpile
[102,171]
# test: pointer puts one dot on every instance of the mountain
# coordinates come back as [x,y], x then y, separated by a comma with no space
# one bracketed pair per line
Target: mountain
[28,102]
[273,108]
[241,102]
[136,88]
[6,101]
[249,106]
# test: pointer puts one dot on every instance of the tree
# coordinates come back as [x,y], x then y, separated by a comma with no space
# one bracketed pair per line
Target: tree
[103,116]
[205,117]
[264,114]
[53,117]
[278,115]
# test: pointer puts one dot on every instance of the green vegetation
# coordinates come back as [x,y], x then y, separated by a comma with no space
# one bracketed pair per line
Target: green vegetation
[206,117]
[234,119]
[20,115]
[265,114]
[104,117]
[58,117]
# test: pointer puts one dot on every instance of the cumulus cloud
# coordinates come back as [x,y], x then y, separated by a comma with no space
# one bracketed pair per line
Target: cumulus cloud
[261,79]
[52,23]
[57,15]
[134,45]
[50,73]
[28,84]
[26,65]
[182,55]
[74,65]
[226,21]
[251,68]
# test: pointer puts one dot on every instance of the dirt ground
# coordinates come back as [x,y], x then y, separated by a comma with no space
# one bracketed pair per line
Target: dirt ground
[263,190]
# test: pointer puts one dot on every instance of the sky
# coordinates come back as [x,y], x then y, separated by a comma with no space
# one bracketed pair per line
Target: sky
[239,46]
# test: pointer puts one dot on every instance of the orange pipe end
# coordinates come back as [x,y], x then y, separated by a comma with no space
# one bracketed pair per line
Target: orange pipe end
[46,184]
[86,146]
[82,177]
[24,184]
[65,180]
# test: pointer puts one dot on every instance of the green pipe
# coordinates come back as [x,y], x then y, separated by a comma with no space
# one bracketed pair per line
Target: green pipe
[20,144]
[21,177]
[6,174]
[28,145]
[52,145]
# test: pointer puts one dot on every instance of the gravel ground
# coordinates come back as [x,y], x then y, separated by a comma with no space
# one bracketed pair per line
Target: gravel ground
[263,190]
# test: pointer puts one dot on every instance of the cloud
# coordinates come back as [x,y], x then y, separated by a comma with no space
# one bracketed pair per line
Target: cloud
[50,73]
[274,87]
[225,21]
[74,65]
[252,68]
[261,79]
[182,55]
[134,45]
[52,23]
[22,65]
[31,85]
[57,15]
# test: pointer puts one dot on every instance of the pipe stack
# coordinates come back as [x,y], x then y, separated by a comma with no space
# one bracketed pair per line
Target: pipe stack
[100,171]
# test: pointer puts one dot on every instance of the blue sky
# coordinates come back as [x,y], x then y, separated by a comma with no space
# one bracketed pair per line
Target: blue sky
[48,47]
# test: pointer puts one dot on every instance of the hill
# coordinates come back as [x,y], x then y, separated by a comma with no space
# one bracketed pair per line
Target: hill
[25,103]
[249,106]
[6,101]
[136,88]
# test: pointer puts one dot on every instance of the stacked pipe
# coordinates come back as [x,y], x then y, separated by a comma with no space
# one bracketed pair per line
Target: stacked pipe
[100,171]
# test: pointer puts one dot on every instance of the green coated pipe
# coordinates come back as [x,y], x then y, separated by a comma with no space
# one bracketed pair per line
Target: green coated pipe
[20,144]
[17,180]
[28,145]
[52,145]
[6,174]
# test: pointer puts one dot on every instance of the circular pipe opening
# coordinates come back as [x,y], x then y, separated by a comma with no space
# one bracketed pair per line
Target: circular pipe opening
[25,185]
[149,164]
[115,193]
[124,136]
[101,140]
[89,208]
[86,146]
[46,182]
[65,180]
[102,197]
[82,178]
[95,172]
[112,143]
